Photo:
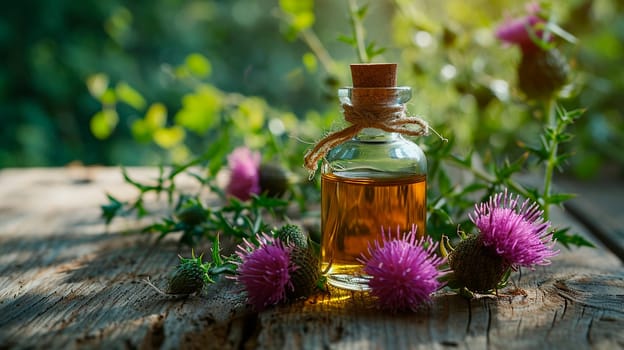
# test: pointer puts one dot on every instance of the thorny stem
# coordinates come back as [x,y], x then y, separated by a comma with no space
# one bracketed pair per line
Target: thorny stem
[314,43]
[310,38]
[551,108]
[358,31]
[227,268]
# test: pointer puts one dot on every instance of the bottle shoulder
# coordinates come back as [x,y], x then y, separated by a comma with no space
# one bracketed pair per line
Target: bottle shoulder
[395,157]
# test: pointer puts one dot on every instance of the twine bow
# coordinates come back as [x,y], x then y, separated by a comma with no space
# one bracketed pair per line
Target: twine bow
[386,118]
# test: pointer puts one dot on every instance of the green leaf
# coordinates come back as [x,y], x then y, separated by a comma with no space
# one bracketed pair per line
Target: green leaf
[310,62]
[216,256]
[141,187]
[372,50]
[541,153]
[562,236]
[472,188]
[509,168]
[167,138]
[300,15]
[200,110]
[560,159]
[268,202]
[442,215]
[565,137]
[559,198]
[156,116]
[110,210]
[251,115]
[463,161]
[216,153]
[108,98]
[103,123]
[296,6]
[141,211]
[97,84]
[198,65]
[444,182]
[569,116]
[361,12]
[347,40]
[302,21]
[141,131]
[129,95]
[164,227]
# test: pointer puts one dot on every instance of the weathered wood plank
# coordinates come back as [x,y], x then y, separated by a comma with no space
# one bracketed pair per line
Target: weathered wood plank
[68,281]
[545,317]
[599,205]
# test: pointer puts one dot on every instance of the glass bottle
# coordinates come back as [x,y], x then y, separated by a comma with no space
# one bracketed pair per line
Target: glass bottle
[377,179]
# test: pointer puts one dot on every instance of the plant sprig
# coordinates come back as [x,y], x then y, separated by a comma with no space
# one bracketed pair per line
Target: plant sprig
[365,52]
[194,218]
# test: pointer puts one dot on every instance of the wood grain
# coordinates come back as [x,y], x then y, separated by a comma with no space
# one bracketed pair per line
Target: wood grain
[69,281]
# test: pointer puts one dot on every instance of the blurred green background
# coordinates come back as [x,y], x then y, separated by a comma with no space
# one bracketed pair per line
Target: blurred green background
[150,82]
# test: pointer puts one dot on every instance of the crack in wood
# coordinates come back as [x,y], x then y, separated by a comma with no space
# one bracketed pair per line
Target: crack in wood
[469,316]
[553,324]
[604,292]
[489,325]
[155,334]
[588,333]
[336,333]
[252,326]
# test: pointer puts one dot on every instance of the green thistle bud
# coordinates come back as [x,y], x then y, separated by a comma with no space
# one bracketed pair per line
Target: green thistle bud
[193,215]
[273,180]
[475,266]
[305,277]
[307,273]
[542,73]
[189,277]
[292,234]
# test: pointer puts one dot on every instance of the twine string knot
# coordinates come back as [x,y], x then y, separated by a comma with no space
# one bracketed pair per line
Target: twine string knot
[383,117]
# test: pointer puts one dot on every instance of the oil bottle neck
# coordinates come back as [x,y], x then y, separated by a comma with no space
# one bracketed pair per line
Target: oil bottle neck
[375,135]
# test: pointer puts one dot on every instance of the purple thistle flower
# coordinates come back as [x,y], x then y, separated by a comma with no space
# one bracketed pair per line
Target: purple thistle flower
[245,173]
[404,271]
[515,31]
[265,271]
[542,70]
[518,233]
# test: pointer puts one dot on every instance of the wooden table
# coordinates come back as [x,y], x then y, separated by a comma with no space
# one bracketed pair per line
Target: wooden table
[68,281]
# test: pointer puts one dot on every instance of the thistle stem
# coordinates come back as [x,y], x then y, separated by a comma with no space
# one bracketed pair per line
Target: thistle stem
[223,269]
[358,31]
[551,163]
[314,43]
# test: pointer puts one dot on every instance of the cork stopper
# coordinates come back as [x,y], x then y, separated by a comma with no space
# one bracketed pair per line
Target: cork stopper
[373,75]
[369,81]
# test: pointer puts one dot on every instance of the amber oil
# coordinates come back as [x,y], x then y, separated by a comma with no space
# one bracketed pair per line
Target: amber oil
[353,211]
